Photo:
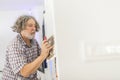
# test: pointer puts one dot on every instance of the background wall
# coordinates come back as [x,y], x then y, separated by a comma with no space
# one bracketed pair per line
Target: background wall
[83,24]
[50,31]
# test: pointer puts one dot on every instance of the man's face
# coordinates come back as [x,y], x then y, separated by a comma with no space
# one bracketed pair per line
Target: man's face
[30,29]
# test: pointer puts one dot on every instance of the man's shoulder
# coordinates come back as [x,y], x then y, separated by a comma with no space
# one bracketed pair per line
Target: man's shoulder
[15,42]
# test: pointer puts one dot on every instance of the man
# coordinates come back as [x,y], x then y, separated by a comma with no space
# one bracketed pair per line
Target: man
[22,59]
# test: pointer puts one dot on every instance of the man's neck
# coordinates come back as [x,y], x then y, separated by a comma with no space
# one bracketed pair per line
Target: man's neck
[27,41]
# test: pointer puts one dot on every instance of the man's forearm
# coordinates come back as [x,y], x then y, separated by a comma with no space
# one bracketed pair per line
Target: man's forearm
[32,67]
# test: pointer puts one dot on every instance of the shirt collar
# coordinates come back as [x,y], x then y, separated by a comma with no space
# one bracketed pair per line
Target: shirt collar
[21,39]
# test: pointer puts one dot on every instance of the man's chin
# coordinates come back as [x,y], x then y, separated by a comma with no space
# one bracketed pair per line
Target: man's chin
[31,37]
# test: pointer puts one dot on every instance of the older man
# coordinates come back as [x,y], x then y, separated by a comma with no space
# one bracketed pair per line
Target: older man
[22,59]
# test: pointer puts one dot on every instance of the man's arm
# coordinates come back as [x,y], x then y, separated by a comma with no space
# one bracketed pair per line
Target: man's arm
[33,66]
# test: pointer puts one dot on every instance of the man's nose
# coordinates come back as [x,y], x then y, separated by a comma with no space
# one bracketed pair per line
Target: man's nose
[34,28]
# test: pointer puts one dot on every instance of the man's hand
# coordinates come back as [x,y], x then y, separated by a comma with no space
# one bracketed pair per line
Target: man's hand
[45,48]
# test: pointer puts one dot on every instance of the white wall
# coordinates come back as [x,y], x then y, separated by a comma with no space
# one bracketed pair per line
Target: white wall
[50,30]
[87,23]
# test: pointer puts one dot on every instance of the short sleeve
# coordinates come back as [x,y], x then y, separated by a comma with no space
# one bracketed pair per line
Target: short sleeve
[17,58]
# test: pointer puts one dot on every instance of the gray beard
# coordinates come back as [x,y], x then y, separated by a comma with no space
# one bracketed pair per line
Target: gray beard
[29,36]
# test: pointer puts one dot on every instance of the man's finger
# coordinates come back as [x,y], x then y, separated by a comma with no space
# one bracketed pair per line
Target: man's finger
[51,47]
[44,41]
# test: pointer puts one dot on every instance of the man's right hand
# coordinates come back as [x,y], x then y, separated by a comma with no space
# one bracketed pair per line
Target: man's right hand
[45,48]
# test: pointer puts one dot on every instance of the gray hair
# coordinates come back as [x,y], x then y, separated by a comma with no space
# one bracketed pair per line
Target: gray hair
[21,23]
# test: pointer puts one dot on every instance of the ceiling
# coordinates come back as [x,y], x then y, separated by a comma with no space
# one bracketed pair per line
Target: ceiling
[19,4]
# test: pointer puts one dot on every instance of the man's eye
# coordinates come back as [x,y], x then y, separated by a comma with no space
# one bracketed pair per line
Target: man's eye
[30,25]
